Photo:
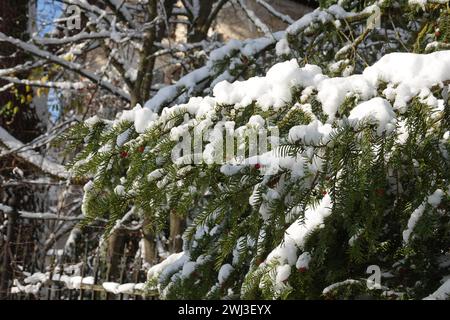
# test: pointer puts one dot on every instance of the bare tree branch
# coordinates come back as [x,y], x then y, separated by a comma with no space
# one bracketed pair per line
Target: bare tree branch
[253,18]
[284,17]
[33,157]
[32,49]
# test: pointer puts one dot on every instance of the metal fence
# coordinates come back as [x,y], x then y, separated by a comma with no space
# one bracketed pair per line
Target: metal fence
[21,258]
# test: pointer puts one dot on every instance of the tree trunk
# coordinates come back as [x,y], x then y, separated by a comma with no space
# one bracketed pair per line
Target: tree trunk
[116,245]
[149,253]
[177,226]
[200,26]
[6,270]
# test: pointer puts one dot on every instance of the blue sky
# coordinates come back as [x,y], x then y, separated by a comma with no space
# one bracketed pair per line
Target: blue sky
[47,11]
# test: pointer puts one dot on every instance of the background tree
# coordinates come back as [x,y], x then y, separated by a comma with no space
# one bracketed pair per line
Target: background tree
[360,178]
[118,58]
[351,188]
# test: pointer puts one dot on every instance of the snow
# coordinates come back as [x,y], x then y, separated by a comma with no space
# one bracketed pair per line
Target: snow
[442,293]
[251,48]
[188,269]
[29,288]
[119,190]
[410,72]
[402,132]
[283,273]
[339,284]
[154,175]
[142,118]
[296,233]
[273,90]
[446,135]
[375,111]
[332,14]
[282,47]
[421,3]
[224,273]
[313,133]
[407,72]
[139,286]
[123,137]
[36,51]
[126,288]
[254,18]
[434,200]
[88,280]
[252,200]
[63,85]
[35,281]
[257,121]
[5,209]
[131,74]
[69,246]
[55,252]
[220,53]
[88,186]
[112,287]
[274,12]
[230,170]
[303,260]
[192,80]
[36,277]
[174,258]
[436,197]
[333,91]
[32,156]
[415,216]
[353,238]
[90,122]
[74,282]
[308,19]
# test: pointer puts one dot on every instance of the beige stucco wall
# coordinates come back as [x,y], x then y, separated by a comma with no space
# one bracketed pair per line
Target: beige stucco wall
[232,22]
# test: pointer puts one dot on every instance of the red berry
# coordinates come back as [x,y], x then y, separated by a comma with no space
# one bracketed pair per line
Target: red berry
[402,271]
[123,154]
[437,34]
[257,166]
[324,192]
[379,192]
[302,269]
[141,149]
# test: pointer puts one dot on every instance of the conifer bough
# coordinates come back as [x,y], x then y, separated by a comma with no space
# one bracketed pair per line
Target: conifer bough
[362,169]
